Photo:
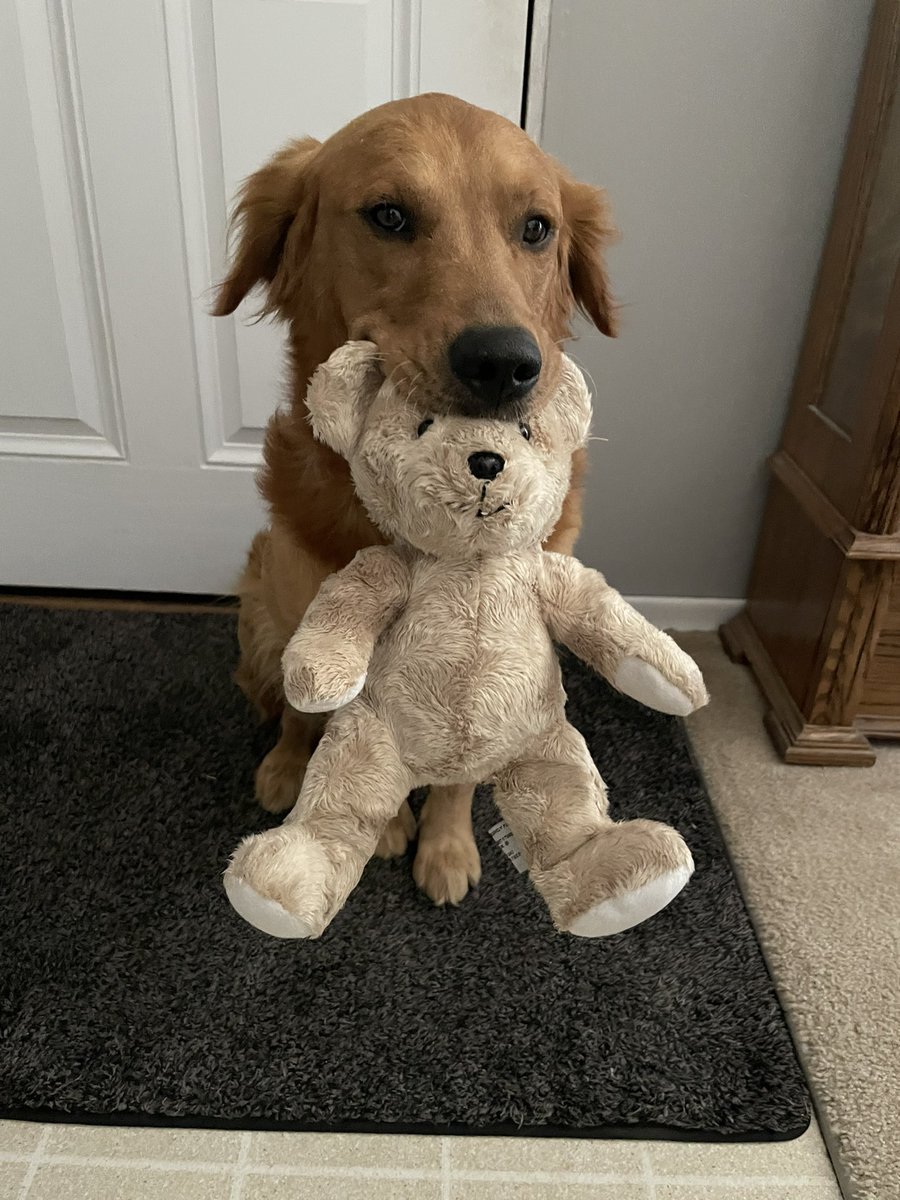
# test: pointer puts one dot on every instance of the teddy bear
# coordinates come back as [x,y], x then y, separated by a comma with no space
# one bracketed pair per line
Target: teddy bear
[435,654]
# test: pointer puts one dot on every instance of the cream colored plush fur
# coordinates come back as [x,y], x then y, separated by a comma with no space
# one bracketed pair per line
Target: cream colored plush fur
[437,653]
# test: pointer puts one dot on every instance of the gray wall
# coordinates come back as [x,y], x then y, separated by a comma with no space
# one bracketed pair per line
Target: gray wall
[717,127]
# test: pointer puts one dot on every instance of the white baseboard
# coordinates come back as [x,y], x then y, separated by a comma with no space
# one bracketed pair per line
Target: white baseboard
[686,612]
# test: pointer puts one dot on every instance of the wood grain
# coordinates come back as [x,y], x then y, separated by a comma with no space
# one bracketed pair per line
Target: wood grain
[879,706]
[794,579]
[810,438]
[797,741]
[879,508]
[848,645]
[852,542]
[821,630]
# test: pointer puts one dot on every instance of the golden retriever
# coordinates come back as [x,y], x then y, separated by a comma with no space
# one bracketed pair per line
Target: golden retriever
[442,233]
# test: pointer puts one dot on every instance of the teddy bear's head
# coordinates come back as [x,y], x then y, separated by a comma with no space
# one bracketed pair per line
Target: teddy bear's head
[448,485]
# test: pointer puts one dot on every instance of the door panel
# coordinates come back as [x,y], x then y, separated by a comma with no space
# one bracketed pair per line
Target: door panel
[130,420]
[247,75]
[57,371]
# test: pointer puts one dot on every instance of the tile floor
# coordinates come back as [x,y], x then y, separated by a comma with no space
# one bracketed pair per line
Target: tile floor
[72,1162]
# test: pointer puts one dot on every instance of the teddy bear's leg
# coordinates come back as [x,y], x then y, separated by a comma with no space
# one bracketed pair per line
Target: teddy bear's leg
[291,881]
[596,875]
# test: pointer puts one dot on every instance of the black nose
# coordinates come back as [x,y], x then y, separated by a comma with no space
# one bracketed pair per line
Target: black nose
[485,464]
[497,363]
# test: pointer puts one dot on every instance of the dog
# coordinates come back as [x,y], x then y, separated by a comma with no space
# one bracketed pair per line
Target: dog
[443,234]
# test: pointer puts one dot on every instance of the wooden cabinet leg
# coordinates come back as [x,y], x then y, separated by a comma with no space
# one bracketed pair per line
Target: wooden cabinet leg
[817,745]
[796,741]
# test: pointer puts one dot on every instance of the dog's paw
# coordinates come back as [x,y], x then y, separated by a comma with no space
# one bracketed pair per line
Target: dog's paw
[399,832]
[279,778]
[446,866]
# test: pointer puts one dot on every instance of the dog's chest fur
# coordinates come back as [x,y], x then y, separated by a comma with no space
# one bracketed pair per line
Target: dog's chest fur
[467,674]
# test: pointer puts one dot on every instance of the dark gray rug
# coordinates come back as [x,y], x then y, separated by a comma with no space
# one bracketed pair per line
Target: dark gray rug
[129,990]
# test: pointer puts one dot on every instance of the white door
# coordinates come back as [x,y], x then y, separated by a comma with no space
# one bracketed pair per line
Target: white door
[130,421]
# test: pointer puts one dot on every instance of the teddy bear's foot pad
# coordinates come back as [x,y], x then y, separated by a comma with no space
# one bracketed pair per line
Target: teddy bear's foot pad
[642,682]
[622,912]
[264,914]
[332,703]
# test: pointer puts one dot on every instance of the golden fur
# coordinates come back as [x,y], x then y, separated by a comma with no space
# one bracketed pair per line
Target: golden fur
[471,176]
[436,655]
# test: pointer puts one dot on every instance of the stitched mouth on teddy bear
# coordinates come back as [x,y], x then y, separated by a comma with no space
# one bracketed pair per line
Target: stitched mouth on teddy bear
[493,512]
[482,511]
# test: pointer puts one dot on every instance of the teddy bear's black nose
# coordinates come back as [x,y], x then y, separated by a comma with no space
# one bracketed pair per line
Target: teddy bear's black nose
[485,464]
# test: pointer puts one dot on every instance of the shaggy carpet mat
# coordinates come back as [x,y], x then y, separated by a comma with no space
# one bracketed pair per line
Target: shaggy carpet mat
[129,990]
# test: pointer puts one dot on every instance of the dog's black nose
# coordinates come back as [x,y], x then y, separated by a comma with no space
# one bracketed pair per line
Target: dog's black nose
[496,363]
[485,464]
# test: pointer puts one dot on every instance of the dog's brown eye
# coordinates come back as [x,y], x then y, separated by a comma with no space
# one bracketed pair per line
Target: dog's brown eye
[426,424]
[535,231]
[389,218]
[525,430]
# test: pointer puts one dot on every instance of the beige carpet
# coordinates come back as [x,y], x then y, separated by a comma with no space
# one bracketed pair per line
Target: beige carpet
[818,854]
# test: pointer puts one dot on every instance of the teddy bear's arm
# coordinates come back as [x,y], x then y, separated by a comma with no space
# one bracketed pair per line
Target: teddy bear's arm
[591,618]
[325,663]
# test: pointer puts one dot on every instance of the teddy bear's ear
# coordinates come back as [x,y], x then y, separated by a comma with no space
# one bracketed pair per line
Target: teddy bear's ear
[340,393]
[573,405]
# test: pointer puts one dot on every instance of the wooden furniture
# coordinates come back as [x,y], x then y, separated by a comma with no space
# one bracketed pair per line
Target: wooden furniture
[821,629]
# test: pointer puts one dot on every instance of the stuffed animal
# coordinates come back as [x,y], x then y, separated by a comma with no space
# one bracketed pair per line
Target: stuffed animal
[436,655]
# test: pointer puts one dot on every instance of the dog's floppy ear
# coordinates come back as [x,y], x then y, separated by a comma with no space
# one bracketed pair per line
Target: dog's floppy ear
[590,229]
[572,406]
[340,392]
[271,228]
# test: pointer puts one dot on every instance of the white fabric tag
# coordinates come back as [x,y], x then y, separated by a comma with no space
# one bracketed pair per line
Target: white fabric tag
[503,836]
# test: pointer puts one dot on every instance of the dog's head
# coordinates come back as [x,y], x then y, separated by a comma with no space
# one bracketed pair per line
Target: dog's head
[441,233]
[450,485]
